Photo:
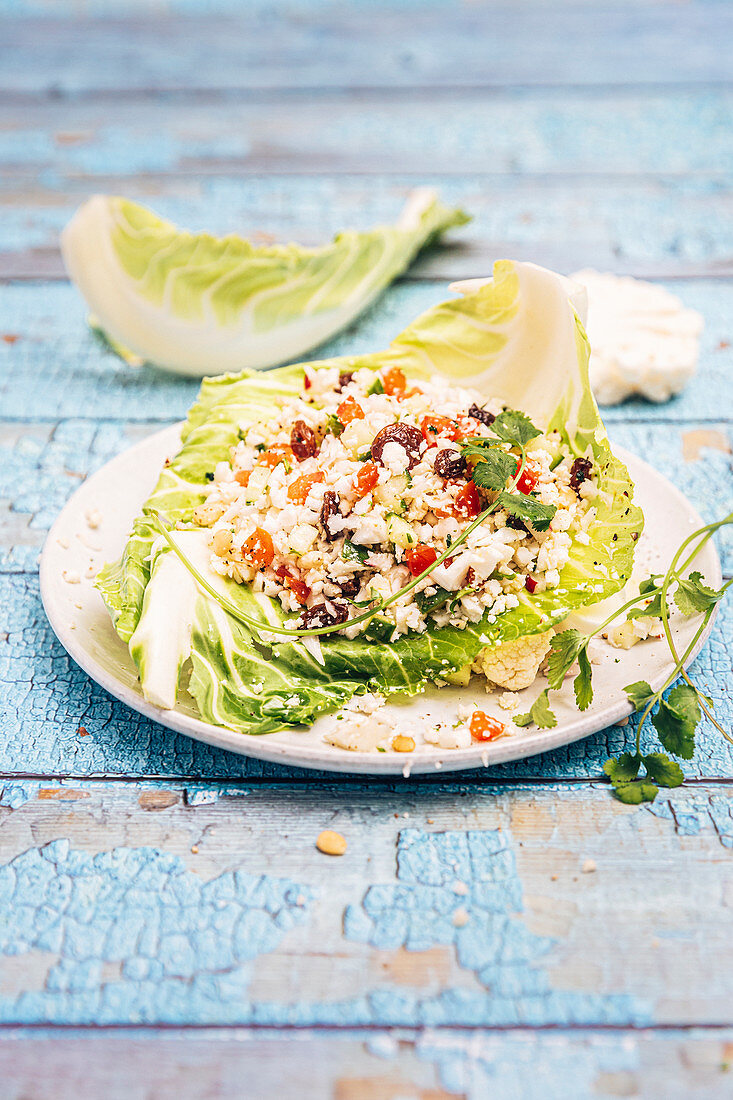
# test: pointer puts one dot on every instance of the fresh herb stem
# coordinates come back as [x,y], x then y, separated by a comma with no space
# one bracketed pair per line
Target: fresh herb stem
[367,616]
[674,572]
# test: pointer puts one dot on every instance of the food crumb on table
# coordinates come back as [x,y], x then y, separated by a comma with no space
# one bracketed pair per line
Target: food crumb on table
[331,843]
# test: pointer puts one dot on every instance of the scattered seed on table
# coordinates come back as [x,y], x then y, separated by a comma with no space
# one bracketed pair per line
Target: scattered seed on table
[331,843]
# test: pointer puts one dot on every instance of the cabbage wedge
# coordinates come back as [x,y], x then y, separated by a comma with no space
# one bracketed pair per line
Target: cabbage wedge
[517,336]
[197,304]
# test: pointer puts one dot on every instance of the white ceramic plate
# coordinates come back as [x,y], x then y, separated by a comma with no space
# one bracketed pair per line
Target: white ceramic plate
[74,552]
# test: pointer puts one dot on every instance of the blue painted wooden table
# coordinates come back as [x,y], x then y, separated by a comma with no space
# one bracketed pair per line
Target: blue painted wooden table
[167,926]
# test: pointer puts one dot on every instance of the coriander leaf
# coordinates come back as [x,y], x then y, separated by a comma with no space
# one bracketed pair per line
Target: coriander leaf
[350,552]
[493,469]
[692,595]
[662,770]
[651,584]
[539,713]
[376,386]
[622,769]
[564,651]
[514,427]
[583,682]
[640,790]
[676,720]
[639,693]
[652,610]
[527,508]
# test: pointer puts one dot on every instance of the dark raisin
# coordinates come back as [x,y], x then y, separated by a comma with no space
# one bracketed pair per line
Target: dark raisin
[329,507]
[407,436]
[303,440]
[344,379]
[349,586]
[449,464]
[323,614]
[580,471]
[481,414]
[515,523]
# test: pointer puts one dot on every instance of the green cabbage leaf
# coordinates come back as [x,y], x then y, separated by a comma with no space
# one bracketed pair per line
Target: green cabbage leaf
[517,337]
[197,304]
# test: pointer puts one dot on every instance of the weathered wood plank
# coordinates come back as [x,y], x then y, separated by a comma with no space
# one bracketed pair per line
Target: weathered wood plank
[366,1065]
[559,132]
[54,344]
[356,46]
[472,906]
[648,227]
[56,721]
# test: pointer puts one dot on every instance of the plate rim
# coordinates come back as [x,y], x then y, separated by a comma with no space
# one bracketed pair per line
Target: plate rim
[318,758]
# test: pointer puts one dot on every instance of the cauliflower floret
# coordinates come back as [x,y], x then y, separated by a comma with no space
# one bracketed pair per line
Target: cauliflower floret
[514,665]
[642,338]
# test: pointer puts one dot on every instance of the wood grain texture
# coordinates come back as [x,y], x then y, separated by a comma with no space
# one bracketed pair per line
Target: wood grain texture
[54,343]
[366,1065]
[650,227]
[218,909]
[558,132]
[356,46]
[182,936]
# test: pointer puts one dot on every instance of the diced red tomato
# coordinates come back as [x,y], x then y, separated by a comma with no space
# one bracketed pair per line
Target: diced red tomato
[420,558]
[258,549]
[530,584]
[299,588]
[435,425]
[485,728]
[366,479]
[528,480]
[279,452]
[298,491]
[394,382]
[242,477]
[349,410]
[468,503]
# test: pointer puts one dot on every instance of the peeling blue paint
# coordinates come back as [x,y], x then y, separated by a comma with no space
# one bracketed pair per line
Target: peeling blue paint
[700,814]
[181,944]
[442,879]
[513,1066]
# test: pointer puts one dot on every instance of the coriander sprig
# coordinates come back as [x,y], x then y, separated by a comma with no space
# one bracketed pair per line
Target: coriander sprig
[675,718]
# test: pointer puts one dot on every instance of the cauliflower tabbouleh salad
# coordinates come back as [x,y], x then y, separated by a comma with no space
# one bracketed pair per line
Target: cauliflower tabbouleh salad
[364,480]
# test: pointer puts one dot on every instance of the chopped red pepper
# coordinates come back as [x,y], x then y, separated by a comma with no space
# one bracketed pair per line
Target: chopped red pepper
[394,382]
[299,588]
[298,491]
[528,480]
[279,452]
[485,728]
[467,503]
[435,425]
[420,558]
[530,584]
[258,549]
[349,410]
[365,479]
